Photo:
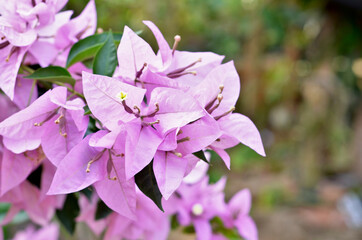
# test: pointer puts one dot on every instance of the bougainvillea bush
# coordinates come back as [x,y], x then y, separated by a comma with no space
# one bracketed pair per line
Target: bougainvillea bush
[97,128]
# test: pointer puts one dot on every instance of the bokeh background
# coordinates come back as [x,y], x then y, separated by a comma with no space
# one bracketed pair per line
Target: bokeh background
[300,65]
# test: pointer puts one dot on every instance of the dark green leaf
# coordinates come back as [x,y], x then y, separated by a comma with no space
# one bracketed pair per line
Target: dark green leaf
[146,182]
[92,128]
[69,212]
[86,48]
[87,192]
[87,111]
[102,210]
[105,61]
[52,74]
[201,155]
[189,229]
[174,222]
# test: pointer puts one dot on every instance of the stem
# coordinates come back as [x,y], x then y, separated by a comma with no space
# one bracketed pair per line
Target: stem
[71,90]
[31,92]
[27,69]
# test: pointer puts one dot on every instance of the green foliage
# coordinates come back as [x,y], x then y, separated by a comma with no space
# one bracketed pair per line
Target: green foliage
[86,49]
[105,61]
[69,212]
[53,74]
[102,210]
[201,155]
[146,182]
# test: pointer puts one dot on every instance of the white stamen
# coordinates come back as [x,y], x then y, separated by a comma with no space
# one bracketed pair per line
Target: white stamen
[197,209]
[177,40]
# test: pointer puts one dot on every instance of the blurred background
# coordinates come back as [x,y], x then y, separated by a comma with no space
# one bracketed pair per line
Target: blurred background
[300,65]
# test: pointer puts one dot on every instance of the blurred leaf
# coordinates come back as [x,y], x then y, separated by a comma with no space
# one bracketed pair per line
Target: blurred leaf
[146,182]
[69,212]
[87,192]
[105,61]
[52,74]
[201,155]
[102,210]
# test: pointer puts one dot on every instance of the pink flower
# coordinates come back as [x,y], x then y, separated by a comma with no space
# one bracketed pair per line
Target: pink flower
[53,121]
[238,215]
[197,204]
[36,27]
[49,232]
[150,223]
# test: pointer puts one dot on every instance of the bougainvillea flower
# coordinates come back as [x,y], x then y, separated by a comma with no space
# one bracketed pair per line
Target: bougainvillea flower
[47,121]
[88,208]
[150,223]
[170,165]
[116,103]
[36,27]
[28,197]
[199,203]
[77,28]
[104,168]
[15,168]
[138,64]
[49,232]
[218,94]
[238,215]
[182,66]
[10,60]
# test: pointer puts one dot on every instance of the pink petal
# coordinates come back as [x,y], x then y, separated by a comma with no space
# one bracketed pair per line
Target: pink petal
[203,229]
[176,109]
[169,142]
[169,172]
[44,52]
[39,211]
[243,129]
[22,92]
[80,27]
[197,173]
[71,175]
[14,170]
[56,146]
[165,49]
[9,69]
[201,133]
[50,232]
[181,59]
[208,89]
[101,94]
[18,39]
[140,150]
[246,227]
[240,203]
[224,156]
[119,194]
[21,124]
[133,52]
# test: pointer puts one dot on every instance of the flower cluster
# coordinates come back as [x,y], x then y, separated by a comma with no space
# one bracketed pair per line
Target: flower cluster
[134,130]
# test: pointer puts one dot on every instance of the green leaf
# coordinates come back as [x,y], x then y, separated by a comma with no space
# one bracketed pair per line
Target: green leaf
[102,210]
[69,212]
[52,74]
[86,48]
[87,192]
[201,155]
[146,182]
[87,111]
[105,61]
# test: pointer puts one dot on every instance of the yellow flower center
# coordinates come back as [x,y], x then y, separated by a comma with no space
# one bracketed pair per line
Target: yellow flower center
[122,96]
